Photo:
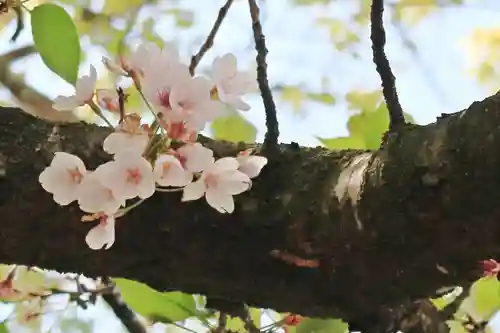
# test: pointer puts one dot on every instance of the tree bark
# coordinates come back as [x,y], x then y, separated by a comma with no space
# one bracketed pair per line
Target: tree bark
[427,212]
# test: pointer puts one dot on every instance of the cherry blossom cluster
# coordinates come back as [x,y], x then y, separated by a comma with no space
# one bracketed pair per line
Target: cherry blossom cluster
[161,156]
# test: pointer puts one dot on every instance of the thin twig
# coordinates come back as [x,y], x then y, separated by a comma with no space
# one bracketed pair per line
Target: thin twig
[383,67]
[128,317]
[209,42]
[272,134]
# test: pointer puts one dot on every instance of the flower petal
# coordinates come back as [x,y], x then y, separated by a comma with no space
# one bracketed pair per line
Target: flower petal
[224,164]
[85,86]
[65,103]
[220,200]
[101,235]
[194,191]
[251,165]
[233,182]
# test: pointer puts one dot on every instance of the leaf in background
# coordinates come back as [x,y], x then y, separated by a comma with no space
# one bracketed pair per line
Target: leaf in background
[3,327]
[351,142]
[310,325]
[363,101]
[162,307]
[412,12]
[370,126]
[118,7]
[57,40]
[310,2]
[292,95]
[485,296]
[237,325]
[324,98]
[183,18]
[234,128]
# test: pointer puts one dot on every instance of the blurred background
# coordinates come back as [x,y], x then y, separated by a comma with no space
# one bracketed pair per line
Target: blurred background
[445,54]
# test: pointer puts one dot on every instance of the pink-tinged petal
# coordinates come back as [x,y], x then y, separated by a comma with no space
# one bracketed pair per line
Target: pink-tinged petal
[169,172]
[198,158]
[220,200]
[68,160]
[108,99]
[225,164]
[147,186]
[85,86]
[251,165]
[233,182]
[236,102]
[93,197]
[65,103]
[56,180]
[194,191]
[224,67]
[102,235]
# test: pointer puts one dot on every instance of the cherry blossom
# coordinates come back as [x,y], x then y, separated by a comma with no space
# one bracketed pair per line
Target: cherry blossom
[115,68]
[190,102]
[94,197]
[108,99]
[178,131]
[129,135]
[103,234]
[63,177]
[230,83]
[128,176]
[251,165]
[84,91]
[170,172]
[195,157]
[219,183]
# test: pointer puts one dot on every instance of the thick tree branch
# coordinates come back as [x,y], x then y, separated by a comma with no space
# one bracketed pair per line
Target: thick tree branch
[427,213]
[396,116]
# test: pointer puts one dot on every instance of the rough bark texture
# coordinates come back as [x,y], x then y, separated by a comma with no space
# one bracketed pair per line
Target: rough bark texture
[428,211]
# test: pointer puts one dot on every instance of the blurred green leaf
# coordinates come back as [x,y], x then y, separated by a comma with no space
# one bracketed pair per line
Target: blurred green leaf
[183,18]
[117,7]
[237,325]
[234,128]
[162,307]
[322,98]
[310,325]
[363,100]
[370,126]
[56,39]
[292,95]
[485,296]
[343,143]
[3,328]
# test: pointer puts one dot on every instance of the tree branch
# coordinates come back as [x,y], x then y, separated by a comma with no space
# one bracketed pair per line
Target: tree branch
[271,138]
[128,317]
[209,42]
[375,222]
[396,116]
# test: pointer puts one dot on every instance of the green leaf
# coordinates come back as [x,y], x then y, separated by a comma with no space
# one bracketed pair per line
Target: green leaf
[310,325]
[234,128]
[3,328]
[161,307]
[117,7]
[485,296]
[351,142]
[56,39]
[235,324]
[322,98]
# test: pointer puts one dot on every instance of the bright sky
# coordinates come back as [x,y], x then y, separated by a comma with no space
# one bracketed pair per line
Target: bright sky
[300,53]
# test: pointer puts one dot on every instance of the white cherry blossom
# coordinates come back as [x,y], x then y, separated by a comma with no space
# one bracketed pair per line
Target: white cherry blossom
[219,183]
[103,234]
[108,99]
[63,177]
[170,172]
[84,91]
[129,135]
[190,102]
[130,175]
[94,197]
[114,67]
[230,83]
[195,157]
[251,165]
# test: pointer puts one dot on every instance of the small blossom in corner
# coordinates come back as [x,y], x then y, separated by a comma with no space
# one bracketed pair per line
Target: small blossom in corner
[94,197]
[63,177]
[84,91]
[231,84]
[103,234]
[219,182]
